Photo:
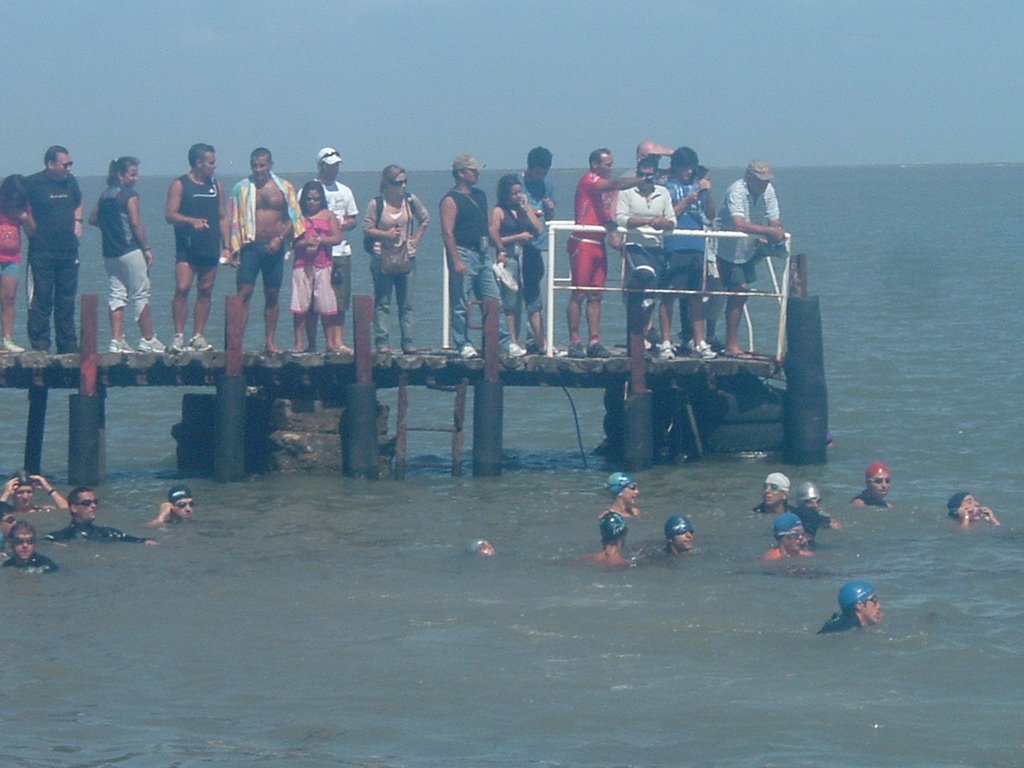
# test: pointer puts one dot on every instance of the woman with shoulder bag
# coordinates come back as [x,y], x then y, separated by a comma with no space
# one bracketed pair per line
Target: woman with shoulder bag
[388,229]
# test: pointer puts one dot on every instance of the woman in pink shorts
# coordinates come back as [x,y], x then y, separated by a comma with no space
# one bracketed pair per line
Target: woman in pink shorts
[15,215]
[311,276]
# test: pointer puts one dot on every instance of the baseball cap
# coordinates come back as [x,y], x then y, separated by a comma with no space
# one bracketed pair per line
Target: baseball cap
[612,526]
[328,156]
[462,162]
[854,592]
[786,525]
[759,169]
[179,492]
[779,479]
[876,468]
[677,525]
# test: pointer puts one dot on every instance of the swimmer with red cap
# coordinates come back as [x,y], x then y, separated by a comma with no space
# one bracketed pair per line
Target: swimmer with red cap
[877,479]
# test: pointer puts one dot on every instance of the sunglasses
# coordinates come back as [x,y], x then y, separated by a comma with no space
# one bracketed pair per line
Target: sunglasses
[24,540]
[398,182]
[87,502]
[880,480]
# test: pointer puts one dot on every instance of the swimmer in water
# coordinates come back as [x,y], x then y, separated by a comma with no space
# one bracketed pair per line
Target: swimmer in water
[859,607]
[808,509]
[20,491]
[966,509]
[877,479]
[83,503]
[177,509]
[678,535]
[775,497]
[481,547]
[623,490]
[790,539]
[613,539]
[23,547]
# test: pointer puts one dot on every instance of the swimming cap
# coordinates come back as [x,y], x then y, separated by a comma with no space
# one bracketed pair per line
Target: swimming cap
[779,479]
[677,525]
[617,482]
[612,527]
[178,492]
[853,593]
[953,505]
[480,547]
[786,525]
[807,491]
[876,468]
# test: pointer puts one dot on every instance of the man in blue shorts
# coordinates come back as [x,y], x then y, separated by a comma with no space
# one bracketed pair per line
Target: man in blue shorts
[265,219]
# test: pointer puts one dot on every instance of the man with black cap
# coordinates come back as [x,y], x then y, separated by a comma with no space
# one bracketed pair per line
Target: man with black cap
[751,207]
[613,539]
[177,509]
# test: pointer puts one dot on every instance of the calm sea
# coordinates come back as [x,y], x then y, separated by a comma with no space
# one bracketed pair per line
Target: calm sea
[315,621]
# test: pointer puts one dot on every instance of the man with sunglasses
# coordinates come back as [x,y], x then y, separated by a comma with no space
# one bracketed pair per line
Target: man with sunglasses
[56,202]
[775,499]
[177,509]
[859,607]
[83,503]
[23,548]
[877,479]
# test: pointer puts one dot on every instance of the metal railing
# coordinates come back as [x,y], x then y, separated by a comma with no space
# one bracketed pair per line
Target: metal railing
[557,283]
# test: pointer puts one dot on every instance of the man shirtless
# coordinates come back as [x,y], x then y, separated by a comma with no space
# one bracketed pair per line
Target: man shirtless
[265,219]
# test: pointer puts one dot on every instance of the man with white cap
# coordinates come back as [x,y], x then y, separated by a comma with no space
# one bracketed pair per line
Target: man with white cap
[775,500]
[342,203]
[751,207]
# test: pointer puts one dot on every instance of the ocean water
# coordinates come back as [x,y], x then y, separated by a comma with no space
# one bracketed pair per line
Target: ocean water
[310,620]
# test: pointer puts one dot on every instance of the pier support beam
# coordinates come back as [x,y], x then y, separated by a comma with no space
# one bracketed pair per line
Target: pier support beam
[35,429]
[805,406]
[638,440]
[229,412]
[86,427]
[359,446]
[488,400]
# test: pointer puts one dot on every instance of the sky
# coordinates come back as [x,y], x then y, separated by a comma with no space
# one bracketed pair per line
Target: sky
[796,82]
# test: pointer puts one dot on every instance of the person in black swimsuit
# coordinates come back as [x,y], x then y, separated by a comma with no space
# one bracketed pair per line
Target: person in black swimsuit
[23,546]
[83,503]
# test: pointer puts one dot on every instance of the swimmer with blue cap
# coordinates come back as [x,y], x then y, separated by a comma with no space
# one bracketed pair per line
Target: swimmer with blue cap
[859,607]
[790,538]
[678,535]
[613,539]
[623,490]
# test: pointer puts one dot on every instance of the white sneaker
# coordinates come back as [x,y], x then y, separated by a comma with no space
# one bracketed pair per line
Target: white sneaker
[469,352]
[200,344]
[514,350]
[152,345]
[10,346]
[665,351]
[120,346]
[178,345]
[702,350]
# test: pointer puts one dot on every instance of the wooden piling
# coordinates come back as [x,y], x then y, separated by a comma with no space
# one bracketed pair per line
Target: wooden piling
[360,449]
[638,441]
[805,404]
[488,399]
[86,447]
[35,428]
[229,413]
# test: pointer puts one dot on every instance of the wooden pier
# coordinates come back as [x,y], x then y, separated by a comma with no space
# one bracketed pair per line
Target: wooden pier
[655,410]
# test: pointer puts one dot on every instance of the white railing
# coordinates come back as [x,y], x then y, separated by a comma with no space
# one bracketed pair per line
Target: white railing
[554,282]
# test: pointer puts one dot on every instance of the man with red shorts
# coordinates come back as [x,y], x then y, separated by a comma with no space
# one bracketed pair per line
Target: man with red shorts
[595,205]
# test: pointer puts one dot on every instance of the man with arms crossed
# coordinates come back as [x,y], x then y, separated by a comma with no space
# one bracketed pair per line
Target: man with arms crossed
[595,205]
[56,202]
[197,211]
[265,218]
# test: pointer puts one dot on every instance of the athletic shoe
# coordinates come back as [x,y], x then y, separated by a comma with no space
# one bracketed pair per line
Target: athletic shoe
[469,352]
[665,351]
[10,346]
[514,350]
[120,346]
[576,350]
[152,345]
[200,344]
[702,350]
[178,345]
[596,349]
